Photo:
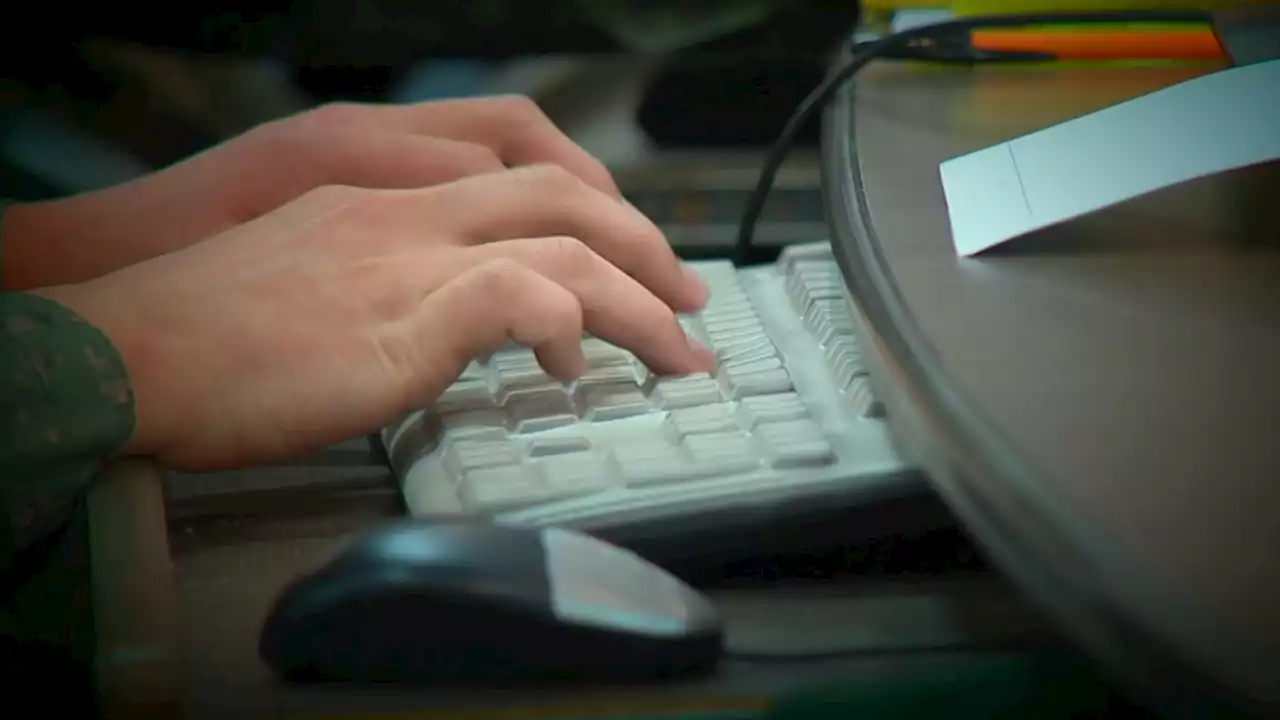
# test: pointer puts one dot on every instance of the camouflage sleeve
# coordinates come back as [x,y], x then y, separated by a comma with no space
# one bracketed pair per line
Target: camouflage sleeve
[66,406]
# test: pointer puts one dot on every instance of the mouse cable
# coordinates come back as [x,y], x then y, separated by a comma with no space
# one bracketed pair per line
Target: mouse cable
[779,657]
[920,43]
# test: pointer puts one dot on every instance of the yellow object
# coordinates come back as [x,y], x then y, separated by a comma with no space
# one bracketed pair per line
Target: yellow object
[882,5]
[991,7]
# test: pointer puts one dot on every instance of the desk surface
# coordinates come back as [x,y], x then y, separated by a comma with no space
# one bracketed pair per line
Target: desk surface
[1109,385]
[229,572]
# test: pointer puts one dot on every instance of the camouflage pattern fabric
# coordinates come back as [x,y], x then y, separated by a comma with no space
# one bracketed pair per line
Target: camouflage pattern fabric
[66,407]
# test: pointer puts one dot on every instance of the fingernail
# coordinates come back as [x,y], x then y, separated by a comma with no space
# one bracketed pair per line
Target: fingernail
[699,293]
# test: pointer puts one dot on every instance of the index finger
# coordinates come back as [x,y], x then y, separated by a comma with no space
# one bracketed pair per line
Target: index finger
[514,128]
[546,201]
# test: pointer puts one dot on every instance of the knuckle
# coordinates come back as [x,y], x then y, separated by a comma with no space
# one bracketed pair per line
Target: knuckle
[571,255]
[399,355]
[380,208]
[480,156]
[507,287]
[550,173]
[274,140]
[301,144]
[555,190]
[333,196]
[598,169]
[499,279]
[519,109]
[331,115]
[650,312]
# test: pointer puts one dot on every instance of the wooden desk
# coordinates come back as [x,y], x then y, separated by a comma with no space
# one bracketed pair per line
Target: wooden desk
[1100,399]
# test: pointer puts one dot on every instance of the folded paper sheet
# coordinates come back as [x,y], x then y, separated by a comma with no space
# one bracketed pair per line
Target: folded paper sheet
[1211,124]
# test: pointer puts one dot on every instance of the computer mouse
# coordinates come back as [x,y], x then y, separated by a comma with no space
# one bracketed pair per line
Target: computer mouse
[428,602]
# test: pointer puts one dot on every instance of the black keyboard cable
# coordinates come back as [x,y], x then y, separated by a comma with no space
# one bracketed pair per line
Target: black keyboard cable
[942,42]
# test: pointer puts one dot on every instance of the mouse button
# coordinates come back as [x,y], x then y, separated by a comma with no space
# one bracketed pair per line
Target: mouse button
[505,582]
[601,585]
[405,545]
[501,549]
[342,590]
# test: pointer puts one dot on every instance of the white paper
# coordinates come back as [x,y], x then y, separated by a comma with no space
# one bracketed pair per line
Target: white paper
[1218,122]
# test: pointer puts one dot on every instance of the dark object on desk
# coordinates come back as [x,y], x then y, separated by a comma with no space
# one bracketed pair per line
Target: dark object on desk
[1048,686]
[1250,35]
[740,102]
[420,602]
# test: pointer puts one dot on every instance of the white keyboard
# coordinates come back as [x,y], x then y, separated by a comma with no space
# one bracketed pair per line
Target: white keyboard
[789,417]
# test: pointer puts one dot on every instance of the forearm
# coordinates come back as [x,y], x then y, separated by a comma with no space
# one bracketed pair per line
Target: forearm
[66,406]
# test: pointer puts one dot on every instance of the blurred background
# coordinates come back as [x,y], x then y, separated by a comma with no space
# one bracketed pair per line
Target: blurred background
[681,99]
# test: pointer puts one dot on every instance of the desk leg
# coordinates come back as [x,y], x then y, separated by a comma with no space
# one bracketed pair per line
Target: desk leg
[138,663]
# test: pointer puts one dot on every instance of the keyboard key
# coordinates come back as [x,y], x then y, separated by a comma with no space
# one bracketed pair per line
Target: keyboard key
[797,443]
[721,320]
[749,349]
[782,407]
[623,374]
[692,327]
[761,377]
[473,371]
[721,453]
[561,445]
[469,394]
[517,370]
[653,463]
[535,409]
[495,489]
[705,419]
[464,456]
[843,349]
[601,354]
[575,474]
[474,424]
[686,391]
[603,403]
[861,400]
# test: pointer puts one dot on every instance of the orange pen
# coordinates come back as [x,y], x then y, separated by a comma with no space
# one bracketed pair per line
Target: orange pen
[1103,44]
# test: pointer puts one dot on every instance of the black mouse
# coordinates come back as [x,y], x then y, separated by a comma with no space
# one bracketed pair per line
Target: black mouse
[421,602]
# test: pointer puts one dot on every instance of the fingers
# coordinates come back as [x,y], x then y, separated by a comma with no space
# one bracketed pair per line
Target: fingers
[483,135]
[402,161]
[514,128]
[614,306]
[324,151]
[545,201]
[477,312]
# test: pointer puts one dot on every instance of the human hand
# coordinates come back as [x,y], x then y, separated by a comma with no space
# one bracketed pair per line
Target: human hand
[371,146]
[348,308]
